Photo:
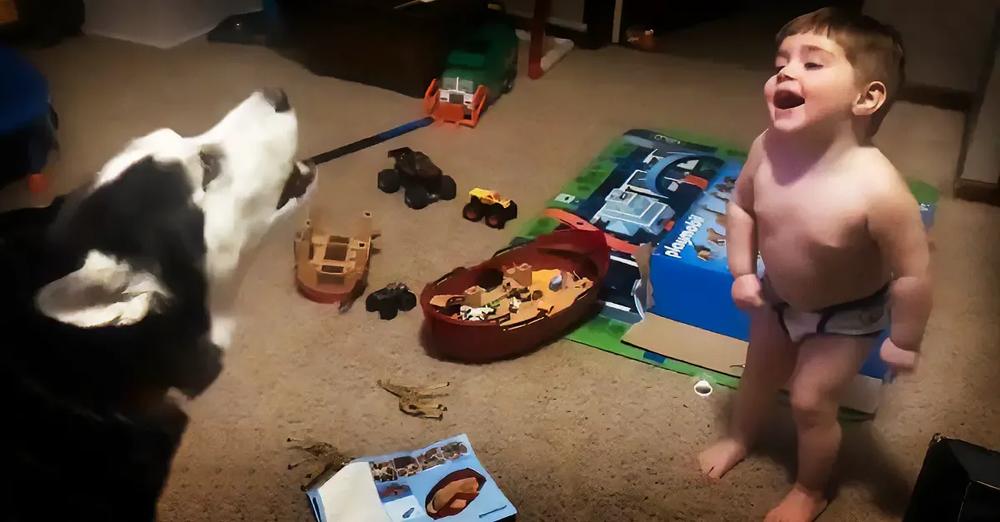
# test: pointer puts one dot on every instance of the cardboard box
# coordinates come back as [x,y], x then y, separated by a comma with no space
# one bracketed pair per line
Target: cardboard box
[689,271]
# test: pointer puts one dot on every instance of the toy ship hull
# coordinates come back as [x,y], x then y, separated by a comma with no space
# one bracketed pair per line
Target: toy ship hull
[345,295]
[582,252]
[331,268]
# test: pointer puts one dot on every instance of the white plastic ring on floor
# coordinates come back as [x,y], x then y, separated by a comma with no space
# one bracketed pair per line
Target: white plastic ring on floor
[703,388]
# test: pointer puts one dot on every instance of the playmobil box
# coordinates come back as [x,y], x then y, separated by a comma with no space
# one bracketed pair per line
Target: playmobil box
[638,191]
[688,268]
[442,481]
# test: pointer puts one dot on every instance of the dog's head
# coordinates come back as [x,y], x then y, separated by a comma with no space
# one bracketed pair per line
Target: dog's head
[174,219]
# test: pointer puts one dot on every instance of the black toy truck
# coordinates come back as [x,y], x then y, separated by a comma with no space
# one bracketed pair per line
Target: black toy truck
[422,181]
[390,300]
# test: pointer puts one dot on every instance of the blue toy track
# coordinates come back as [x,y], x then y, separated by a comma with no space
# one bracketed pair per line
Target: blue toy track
[371,140]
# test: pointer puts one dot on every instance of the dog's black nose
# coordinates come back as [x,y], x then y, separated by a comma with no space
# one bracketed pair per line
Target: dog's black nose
[277,98]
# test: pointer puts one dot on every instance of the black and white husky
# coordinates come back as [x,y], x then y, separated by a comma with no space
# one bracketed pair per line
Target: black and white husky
[118,293]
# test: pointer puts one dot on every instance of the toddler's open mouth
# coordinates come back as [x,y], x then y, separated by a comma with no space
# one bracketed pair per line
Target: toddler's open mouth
[787,100]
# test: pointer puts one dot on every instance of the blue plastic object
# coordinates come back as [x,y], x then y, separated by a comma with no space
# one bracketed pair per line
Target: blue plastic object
[27,122]
[24,93]
[371,140]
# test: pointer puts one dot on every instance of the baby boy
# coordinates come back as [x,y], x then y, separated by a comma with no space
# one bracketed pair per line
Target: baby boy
[843,245]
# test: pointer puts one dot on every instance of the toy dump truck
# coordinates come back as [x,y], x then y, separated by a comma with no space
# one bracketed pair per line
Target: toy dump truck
[477,72]
[497,209]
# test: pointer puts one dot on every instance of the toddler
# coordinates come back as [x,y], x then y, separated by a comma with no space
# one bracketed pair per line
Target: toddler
[843,245]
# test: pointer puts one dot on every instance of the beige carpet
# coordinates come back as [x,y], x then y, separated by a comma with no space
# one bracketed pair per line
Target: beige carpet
[570,433]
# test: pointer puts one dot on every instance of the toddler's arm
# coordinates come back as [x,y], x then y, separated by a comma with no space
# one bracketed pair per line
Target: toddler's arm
[741,240]
[895,224]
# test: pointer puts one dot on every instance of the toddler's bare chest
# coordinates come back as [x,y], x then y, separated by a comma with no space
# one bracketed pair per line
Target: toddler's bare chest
[819,213]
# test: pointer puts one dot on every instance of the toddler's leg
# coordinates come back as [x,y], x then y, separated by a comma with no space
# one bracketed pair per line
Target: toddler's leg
[826,365]
[770,360]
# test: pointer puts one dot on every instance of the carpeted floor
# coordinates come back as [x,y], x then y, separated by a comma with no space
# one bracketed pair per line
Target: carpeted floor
[571,433]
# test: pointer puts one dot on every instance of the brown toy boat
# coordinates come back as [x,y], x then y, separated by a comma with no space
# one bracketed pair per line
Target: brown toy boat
[516,301]
[331,268]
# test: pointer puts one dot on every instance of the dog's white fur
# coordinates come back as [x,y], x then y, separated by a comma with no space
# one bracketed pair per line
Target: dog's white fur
[104,292]
[257,146]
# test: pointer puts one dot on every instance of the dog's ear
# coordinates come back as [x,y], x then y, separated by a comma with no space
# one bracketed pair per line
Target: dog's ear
[103,292]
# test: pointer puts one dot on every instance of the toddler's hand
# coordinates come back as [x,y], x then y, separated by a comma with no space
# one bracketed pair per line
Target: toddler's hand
[747,292]
[899,359]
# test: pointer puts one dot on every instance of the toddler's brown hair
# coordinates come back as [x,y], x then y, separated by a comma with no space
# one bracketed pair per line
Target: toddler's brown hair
[874,49]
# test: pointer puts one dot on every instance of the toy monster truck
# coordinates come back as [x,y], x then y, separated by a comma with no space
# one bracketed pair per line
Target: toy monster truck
[497,209]
[390,300]
[422,181]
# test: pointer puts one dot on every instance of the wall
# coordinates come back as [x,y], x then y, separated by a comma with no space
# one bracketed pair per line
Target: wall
[160,23]
[565,13]
[982,157]
[947,42]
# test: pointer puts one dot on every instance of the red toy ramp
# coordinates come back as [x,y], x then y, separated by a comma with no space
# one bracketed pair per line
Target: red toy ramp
[581,251]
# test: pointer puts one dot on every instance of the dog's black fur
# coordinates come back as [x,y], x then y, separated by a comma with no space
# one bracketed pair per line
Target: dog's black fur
[89,430]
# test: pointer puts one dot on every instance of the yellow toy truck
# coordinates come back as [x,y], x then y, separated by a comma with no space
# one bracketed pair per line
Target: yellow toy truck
[497,209]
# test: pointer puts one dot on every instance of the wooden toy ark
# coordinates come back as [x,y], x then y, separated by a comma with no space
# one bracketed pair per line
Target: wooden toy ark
[331,268]
[524,296]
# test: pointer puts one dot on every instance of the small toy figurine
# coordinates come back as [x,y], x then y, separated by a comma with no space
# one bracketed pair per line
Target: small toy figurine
[422,181]
[497,209]
[480,313]
[390,300]
[324,459]
[418,400]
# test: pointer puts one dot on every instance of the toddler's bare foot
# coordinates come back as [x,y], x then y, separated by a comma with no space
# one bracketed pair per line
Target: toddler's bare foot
[721,457]
[799,505]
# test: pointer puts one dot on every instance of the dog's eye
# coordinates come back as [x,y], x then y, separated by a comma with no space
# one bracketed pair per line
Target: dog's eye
[211,165]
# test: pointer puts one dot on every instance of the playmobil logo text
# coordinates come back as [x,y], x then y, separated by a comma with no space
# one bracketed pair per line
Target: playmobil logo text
[691,226]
